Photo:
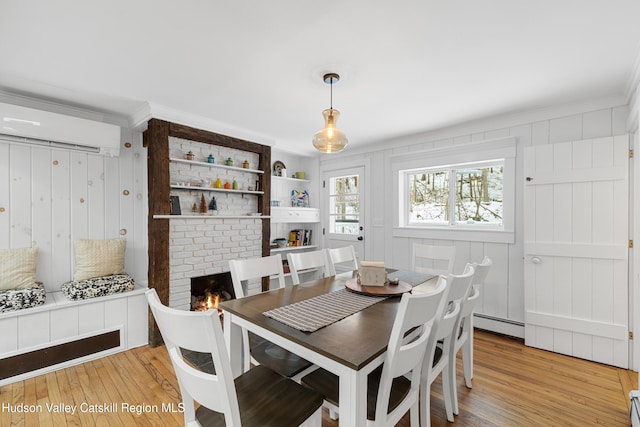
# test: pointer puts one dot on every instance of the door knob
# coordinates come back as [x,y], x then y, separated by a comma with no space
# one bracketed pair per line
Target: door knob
[360,238]
[536,260]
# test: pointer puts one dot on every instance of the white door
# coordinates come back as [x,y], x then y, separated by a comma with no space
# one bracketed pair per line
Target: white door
[343,213]
[576,249]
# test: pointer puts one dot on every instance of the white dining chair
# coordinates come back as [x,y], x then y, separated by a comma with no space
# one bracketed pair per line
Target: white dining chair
[464,338]
[393,388]
[343,258]
[440,361]
[300,262]
[259,397]
[431,259]
[256,349]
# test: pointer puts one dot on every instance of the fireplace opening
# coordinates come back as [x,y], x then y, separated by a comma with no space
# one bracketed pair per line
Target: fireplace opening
[208,291]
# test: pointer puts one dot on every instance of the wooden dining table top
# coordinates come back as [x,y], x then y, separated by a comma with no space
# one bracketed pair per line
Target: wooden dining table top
[353,341]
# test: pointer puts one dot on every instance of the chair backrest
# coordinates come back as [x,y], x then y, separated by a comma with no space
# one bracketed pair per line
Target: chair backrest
[405,357]
[302,261]
[460,284]
[345,255]
[442,331]
[481,271]
[480,274]
[243,270]
[202,332]
[431,259]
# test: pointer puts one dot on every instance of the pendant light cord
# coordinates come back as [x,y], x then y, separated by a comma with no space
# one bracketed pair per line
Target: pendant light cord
[331,102]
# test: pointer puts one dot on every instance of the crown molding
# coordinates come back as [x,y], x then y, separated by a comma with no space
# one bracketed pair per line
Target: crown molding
[162,112]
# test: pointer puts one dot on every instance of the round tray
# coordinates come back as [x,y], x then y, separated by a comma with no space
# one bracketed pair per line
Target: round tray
[380,291]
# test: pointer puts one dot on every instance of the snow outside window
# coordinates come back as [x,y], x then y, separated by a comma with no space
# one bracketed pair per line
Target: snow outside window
[465,194]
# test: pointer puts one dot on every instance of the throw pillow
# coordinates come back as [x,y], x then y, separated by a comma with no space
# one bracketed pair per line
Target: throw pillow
[18,268]
[97,258]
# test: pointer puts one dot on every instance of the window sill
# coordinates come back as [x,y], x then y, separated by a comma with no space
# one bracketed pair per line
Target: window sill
[468,234]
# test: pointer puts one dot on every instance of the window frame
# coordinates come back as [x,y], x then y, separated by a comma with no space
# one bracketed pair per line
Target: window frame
[447,158]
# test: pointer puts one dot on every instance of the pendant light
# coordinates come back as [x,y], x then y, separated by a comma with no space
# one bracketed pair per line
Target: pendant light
[330,139]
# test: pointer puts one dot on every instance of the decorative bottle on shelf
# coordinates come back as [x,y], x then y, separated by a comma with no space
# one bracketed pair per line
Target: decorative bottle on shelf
[245,164]
[190,155]
[213,206]
[227,185]
[203,205]
[235,184]
[229,161]
[218,183]
[211,159]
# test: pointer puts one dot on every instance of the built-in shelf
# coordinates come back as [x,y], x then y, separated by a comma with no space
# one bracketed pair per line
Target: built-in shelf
[293,248]
[220,190]
[280,178]
[214,165]
[209,216]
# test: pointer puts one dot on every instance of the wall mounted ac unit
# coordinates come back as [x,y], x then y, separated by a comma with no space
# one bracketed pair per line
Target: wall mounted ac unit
[30,126]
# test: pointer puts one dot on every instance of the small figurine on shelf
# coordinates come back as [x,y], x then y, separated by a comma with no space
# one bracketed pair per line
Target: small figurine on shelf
[213,206]
[227,185]
[235,184]
[203,205]
[190,155]
[229,161]
[245,164]
[218,183]
[194,208]
[211,159]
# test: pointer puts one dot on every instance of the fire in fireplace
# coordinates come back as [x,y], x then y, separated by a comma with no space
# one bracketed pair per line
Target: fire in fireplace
[208,291]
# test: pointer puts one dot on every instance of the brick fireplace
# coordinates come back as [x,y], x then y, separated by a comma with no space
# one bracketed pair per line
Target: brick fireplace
[202,247]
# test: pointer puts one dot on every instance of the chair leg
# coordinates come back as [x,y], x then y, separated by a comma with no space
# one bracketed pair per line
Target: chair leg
[448,389]
[414,414]
[467,355]
[425,405]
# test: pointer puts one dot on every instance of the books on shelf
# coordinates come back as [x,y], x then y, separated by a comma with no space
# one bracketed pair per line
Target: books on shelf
[300,237]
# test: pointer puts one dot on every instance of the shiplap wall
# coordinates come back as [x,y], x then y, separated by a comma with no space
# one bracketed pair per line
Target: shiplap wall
[503,296]
[52,197]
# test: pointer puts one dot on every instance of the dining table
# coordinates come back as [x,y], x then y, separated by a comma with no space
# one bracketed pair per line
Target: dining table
[350,348]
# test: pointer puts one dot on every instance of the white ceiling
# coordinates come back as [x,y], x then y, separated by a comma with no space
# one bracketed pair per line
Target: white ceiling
[254,68]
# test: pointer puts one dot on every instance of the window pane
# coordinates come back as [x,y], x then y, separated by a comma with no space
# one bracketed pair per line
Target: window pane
[428,197]
[479,195]
[344,205]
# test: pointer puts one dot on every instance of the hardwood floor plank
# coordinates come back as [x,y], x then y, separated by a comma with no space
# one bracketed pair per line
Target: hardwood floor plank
[513,385]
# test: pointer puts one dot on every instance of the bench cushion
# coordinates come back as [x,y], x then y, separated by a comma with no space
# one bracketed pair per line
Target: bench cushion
[17,299]
[97,287]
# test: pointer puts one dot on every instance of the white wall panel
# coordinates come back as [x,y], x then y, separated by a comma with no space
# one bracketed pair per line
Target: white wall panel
[95,197]
[33,329]
[5,185]
[91,317]
[596,124]
[64,323]
[20,198]
[42,221]
[9,341]
[565,129]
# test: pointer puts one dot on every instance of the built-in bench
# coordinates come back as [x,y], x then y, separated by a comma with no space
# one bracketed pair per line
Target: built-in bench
[62,333]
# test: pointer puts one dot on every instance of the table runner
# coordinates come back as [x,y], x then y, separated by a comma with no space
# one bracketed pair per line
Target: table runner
[317,312]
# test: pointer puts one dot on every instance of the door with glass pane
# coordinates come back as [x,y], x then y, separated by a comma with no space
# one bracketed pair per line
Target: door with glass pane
[343,222]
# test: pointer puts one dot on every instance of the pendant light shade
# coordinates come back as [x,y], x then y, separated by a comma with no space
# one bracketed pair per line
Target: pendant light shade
[330,139]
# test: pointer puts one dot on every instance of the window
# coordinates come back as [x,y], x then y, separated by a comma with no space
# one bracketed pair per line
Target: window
[344,205]
[465,194]
[459,192]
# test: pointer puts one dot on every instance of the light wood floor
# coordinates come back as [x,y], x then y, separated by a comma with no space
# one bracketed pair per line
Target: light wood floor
[513,386]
